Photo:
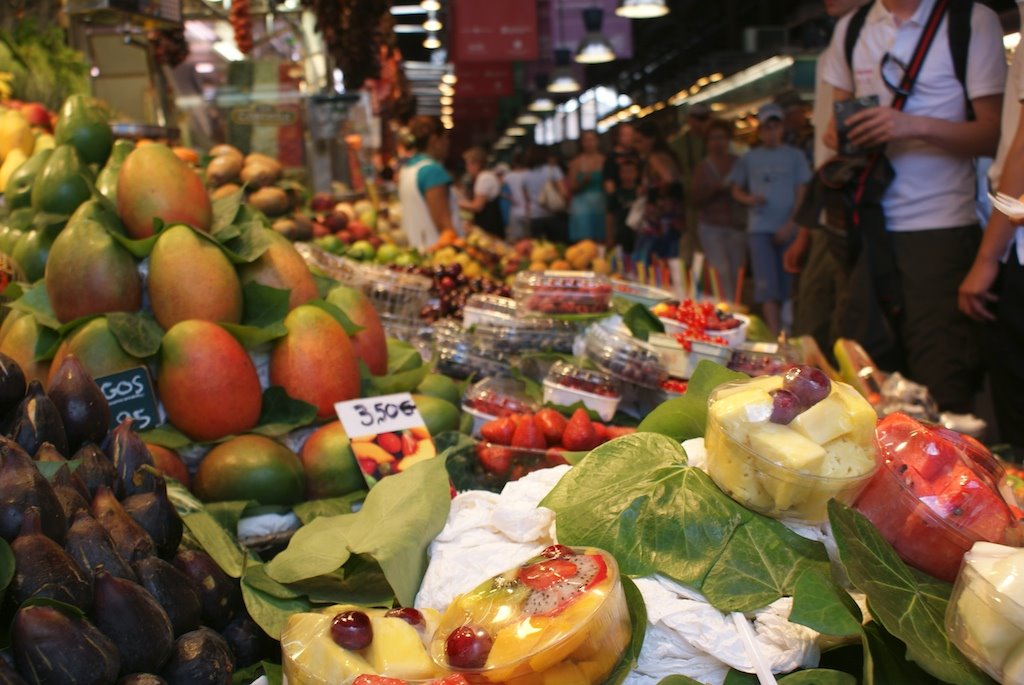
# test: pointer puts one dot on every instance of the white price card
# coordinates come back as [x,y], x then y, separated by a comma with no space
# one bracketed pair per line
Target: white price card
[381,414]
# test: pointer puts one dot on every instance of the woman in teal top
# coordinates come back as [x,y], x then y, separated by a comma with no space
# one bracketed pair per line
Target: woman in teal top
[587,211]
[424,186]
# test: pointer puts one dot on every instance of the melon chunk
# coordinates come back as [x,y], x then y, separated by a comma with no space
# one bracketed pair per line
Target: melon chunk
[397,650]
[784,446]
[825,421]
[743,412]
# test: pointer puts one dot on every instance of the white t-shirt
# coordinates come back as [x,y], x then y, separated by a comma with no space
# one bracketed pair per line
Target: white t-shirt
[822,112]
[1011,107]
[932,188]
[487,185]
[535,180]
[516,182]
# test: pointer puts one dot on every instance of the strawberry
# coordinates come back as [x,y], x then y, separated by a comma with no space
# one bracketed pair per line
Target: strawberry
[544,574]
[601,431]
[368,466]
[579,434]
[619,431]
[528,435]
[499,431]
[390,442]
[496,460]
[552,425]
[409,444]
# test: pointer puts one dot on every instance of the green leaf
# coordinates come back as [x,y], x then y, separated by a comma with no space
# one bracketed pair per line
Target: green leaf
[678,680]
[885,660]
[251,336]
[636,497]
[138,334]
[225,209]
[263,315]
[140,248]
[818,676]
[227,514]
[36,302]
[281,413]
[309,554]
[252,241]
[686,417]
[360,581]
[166,436]
[256,576]
[402,356]
[341,317]
[217,542]
[641,322]
[403,381]
[50,468]
[324,284]
[708,376]
[47,343]
[910,606]
[735,677]
[273,672]
[334,506]
[638,620]
[271,613]
[821,605]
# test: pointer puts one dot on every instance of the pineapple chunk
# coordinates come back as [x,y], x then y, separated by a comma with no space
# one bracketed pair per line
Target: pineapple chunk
[397,650]
[862,415]
[847,459]
[737,411]
[567,673]
[786,447]
[826,420]
[765,383]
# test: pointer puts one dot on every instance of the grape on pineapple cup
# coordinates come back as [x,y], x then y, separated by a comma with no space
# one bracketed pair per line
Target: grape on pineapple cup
[985,616]
[559,618]
[784,451]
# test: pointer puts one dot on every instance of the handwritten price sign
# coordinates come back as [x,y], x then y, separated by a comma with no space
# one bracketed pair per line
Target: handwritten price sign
[130,396]
[383,414]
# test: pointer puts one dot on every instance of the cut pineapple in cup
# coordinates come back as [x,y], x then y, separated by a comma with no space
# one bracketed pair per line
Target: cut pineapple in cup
[786,454]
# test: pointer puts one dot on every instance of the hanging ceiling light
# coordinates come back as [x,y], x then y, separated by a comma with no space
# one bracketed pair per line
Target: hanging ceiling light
[431,42]
[432,24]
[528,120]
[515,131]
[541,102]
[430,5]
[594,48]
[641,9]
[562,80]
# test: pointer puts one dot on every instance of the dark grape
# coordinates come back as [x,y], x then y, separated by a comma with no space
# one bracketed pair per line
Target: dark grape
[352,630]
[785,407]
[808,383]
[468,647]
[411,616]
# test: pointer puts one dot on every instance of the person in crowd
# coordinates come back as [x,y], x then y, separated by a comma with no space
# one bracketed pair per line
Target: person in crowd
[993,290]
[770,180]
[519,213]
[619,203]
[501,170]
[587,207]
[541,181]
[821,276]
[622,151]
[931,231]
[721,221]
[690,148]
[424,187]
[797,130]
[484,193]
[661,187]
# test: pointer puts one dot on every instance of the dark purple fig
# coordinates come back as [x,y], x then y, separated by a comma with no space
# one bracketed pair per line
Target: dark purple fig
[142,679]
[71,499]
[37,421]
[8,676]
[248,642]
[158,517]
[219,594]
[23,486]
[201,657]
[12,384]
[96,469]
[134,622]
[173,590]
[82,406]
[51,647]
[131,541]
[48,452]
[91,548]
[129,454]
[43,569]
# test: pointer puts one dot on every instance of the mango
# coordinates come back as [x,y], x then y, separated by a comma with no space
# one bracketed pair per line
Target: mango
[282,267]
[31,253]
[315,362]
[440,386]
[83,124]
[191,278]
[370,343]
[250,467]
[155,184]
[96,348]
[330,464]
[15,134]
[84,253]
[438,415]
[18,192]
[106,180]
[207,382]
[62,184]
[100,212]
[20,342]
[11,164]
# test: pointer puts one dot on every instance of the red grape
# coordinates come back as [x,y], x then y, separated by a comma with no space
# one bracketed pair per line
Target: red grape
[808,383]
[352,630]
[411,616]
[468,647]
[785,407]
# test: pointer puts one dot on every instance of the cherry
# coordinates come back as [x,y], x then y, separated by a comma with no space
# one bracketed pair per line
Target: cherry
[785,407]
[411,616]
[468,646]
[808,383]
[556,551]
[352,630]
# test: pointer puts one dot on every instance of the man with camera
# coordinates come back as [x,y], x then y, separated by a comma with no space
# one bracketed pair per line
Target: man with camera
[912,209]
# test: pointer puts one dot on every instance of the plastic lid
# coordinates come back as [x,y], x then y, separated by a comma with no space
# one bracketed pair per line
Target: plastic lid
[563,279]
[624,357]
[587,380]
[500,396]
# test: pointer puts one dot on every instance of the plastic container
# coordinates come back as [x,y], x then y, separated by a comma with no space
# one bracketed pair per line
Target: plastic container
[412,330]
[345,271]
[937,493]
[526,336]
[566,384]
[624,357]
[395,292]
[985,615]
[764,359]
[646,295]
[559,618]
[547,293]
[504,463]
[489,309]
[499,396]
[457,357]
[789,471]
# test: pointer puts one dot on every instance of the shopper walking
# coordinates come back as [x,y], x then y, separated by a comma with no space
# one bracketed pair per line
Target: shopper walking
[518,214]
[587,207]
[545,194]
[721,220]
[662,221]
[770,180]
[690,148]
[919,241]
[424,187]
[485,193]
[620,202]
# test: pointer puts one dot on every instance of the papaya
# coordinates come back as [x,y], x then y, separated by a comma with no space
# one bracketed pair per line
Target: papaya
[281,266]
[370,343]
[83,124]
[155,184]
[18,192]
[61,186]
[106,180]
[250,467]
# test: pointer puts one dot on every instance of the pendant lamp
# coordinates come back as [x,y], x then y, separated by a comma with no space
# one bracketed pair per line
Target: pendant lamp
[594,48]
[641,9]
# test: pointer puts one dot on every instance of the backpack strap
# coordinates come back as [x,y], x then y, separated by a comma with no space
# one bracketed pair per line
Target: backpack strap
[959,29]
[853,30]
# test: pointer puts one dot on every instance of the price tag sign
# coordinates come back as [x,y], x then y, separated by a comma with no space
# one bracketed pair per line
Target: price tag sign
[130,396]
[386,433]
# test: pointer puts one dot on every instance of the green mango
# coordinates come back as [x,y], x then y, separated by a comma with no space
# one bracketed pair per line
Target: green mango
[8,237]
[83,124]
[106,181]
[18,193]
[21,219]
[61,185]
[31,252]
[101,212]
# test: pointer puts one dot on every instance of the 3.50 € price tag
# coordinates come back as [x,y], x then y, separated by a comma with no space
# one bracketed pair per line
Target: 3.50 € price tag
[386,433]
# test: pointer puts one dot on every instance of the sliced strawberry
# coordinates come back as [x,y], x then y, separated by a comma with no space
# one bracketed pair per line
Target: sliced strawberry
[497,460]
[390,442]
[619,431]
[368,466]
[499,431]
[409,444]
[544,574]
[579,435]
[528,436]
[600,430]
[552,424]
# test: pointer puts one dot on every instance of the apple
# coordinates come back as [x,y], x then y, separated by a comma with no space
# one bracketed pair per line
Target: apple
[36,115]
[359,230]
[322,202]
[336,222]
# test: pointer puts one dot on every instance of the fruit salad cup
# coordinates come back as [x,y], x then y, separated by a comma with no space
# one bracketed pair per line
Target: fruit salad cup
[785,445]
[559,618]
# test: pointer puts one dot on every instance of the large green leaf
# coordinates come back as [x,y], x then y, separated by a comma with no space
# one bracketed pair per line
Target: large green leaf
[225,209]
[280,413]
[402,356]
[678,680]
[217,542]
[638,319]
[166,436]
[269,611]
[404,381]
[263,315]
[36,302]
[686,417]
[909,605]
[227,514]
[250,244]
[138,334]
[333,506]
[821,605]
[638,621]
[636,497]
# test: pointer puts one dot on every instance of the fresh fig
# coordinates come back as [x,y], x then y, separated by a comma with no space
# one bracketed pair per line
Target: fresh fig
[142,679]
[51,647]
[247,641]
[43,569]
[219,594]
[9,676]
[135,623]
[91,548]
[158,517]
[173,590]
[71,499]
[37,421]
[47,452]
[12,384]
[131,541]
[23,486]
[82,406]
[201,657]
[96,469]
[129,454]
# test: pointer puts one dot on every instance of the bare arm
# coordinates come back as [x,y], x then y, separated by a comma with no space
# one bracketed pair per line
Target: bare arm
[437,204]
[745,198]
[475,205]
